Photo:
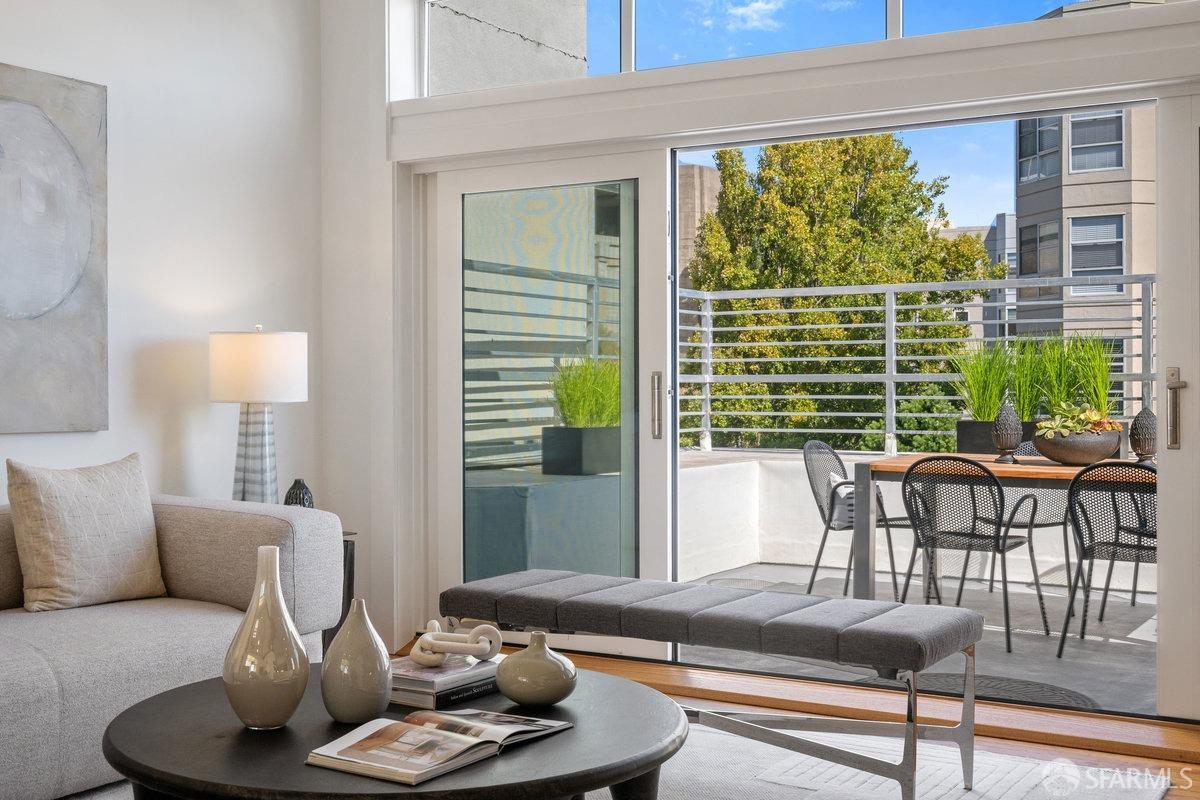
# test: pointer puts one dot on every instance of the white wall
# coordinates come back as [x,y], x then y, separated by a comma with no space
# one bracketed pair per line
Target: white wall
[213,217]
[371,447]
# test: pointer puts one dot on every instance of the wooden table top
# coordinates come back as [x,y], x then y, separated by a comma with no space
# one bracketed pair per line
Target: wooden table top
[1027,466]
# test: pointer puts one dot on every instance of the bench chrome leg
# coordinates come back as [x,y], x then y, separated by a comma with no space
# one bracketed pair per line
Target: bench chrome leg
[769,729]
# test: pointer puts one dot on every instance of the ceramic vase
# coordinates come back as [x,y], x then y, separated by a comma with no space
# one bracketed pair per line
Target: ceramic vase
[1143,436]
[266,668]
[1006,433]
[356,675]
[536,676]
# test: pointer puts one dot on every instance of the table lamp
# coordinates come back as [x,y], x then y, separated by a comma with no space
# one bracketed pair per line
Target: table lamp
[256,369]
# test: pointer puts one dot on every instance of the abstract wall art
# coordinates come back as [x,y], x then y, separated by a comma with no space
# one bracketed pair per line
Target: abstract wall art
[53,253]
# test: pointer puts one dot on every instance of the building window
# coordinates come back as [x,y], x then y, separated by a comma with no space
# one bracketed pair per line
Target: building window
[1097,141]
[1097,248]
[1038,148]
[1039,250]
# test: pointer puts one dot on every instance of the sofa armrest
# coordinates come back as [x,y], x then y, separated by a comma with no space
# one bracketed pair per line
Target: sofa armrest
[207,549]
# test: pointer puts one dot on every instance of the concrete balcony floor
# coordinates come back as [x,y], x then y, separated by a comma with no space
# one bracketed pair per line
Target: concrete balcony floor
[1113,669]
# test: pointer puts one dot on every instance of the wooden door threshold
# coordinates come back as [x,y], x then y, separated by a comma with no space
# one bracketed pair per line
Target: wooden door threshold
[1082,730]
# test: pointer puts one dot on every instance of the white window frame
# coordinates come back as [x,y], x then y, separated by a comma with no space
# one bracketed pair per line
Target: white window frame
[1082,61]
[1071,132]
[1040,154]
[1070,244]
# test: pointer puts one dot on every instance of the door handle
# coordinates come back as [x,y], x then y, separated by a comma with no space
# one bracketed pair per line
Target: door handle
[1174,384]
[656,410]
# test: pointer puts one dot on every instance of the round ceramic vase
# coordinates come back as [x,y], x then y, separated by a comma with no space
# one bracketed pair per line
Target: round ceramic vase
[356,675]
[536,676]
[266,668]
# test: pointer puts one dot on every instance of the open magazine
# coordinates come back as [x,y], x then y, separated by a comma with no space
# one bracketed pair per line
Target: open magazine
[426,744]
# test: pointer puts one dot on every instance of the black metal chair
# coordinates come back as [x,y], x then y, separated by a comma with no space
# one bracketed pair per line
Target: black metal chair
[955,503]
[1051,513]
[837,512]
[1114,511]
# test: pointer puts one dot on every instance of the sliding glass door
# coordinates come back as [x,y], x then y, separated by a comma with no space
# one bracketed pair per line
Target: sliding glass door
[553,328]
[549,379]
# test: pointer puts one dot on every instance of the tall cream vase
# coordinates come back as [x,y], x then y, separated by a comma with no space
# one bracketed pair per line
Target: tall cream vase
[266,668]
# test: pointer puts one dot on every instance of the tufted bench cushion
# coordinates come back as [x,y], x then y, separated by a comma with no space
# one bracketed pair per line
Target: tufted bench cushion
[879,634]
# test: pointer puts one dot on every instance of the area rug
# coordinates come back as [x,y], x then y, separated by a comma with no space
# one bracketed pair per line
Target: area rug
[718,766]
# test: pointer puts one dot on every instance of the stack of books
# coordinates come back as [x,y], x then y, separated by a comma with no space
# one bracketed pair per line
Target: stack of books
[459,679]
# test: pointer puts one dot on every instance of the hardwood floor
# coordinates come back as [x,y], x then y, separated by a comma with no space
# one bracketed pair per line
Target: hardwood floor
[1087,739]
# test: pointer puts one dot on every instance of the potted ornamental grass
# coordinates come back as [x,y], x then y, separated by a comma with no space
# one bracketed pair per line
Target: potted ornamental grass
[1077,381]
[985,371]
[1068,378]
[587,395]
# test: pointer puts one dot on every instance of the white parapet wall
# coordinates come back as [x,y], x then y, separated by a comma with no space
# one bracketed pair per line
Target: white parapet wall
[740,507]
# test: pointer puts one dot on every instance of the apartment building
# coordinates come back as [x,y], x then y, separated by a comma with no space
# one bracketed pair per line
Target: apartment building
[1085,207]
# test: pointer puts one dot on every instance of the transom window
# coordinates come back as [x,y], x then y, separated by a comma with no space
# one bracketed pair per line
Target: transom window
[1038,148]
[1097,248]
[1097,141]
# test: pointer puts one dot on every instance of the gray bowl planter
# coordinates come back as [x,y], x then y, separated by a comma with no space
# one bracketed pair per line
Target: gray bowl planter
[1079,449]
[581,451]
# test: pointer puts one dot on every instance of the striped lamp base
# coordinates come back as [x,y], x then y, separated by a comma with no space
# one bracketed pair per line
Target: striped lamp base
[254,476]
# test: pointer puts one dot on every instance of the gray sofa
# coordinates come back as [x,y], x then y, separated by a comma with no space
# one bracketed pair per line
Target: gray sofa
[65,674]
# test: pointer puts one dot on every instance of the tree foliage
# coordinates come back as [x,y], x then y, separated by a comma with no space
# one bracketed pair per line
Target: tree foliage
[851,211]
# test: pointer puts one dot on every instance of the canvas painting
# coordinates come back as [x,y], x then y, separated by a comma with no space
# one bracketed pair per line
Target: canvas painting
[53,253]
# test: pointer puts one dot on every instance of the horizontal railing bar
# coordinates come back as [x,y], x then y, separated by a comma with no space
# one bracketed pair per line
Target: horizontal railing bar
[557,276]
[508,312]
[717,397]
[905,288]
[1116,300]
[494,425]
[725,413]
[821,326]
[554,298]
[777,359]
[1039,320]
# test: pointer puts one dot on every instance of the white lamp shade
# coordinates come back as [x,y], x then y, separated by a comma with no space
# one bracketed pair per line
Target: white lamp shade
[257,367]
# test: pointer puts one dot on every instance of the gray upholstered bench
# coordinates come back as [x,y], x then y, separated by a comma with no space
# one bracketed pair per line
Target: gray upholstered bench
[893,639]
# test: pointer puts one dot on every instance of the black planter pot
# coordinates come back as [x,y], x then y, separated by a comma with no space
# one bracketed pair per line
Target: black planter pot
[580,451]
[973,436]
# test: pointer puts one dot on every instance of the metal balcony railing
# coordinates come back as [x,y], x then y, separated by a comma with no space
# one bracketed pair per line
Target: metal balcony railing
[862,365]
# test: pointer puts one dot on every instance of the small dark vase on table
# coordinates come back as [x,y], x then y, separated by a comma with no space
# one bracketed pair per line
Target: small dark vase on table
[1143,436]
[1006,434]
[298,495]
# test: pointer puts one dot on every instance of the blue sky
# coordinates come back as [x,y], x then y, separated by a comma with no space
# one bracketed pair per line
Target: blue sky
[978,159]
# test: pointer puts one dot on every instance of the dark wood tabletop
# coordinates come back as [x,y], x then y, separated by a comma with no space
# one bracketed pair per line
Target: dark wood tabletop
[187,743]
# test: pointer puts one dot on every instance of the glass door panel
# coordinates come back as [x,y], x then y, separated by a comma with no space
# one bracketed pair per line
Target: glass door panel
[549,379]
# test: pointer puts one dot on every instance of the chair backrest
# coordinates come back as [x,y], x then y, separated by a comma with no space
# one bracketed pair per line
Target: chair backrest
[1114,510]
[947,497]
[1026,449]
[821,461]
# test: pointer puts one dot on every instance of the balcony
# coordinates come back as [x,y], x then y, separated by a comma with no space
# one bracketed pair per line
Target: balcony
[868,368]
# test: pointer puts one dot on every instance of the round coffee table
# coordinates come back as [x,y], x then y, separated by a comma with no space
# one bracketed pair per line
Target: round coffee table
[187,743]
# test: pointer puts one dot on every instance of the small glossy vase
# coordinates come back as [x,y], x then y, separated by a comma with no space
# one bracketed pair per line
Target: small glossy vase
[536,676]
[356,675]
[266,668]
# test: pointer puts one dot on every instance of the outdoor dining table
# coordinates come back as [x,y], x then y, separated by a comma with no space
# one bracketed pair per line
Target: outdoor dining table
[1031,472]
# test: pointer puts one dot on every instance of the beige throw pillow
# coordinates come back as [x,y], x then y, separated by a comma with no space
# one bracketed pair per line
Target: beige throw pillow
[84,536]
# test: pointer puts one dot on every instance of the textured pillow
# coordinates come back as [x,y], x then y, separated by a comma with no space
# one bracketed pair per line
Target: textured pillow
[84,536]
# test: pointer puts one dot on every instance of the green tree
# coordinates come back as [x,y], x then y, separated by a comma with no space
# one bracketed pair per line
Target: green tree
[850,211]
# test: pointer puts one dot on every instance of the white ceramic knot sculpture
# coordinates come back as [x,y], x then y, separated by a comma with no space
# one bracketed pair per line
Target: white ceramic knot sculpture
[482,642]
